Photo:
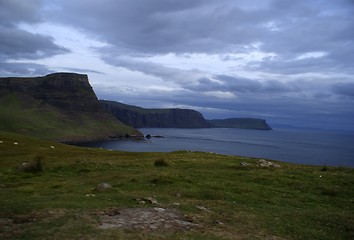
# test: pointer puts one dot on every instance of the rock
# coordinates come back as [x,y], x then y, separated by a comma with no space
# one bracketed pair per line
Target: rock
[160,210]
[202,208]
[150,200]
[23,167]
[265,163]
[103,187]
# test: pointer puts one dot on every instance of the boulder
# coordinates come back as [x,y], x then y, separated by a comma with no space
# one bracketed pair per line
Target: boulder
[103,187]
[267,164]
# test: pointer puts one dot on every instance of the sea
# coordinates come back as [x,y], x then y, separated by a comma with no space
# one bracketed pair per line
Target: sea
[294,146]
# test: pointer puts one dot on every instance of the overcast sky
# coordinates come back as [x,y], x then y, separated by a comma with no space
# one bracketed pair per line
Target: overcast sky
[290,62]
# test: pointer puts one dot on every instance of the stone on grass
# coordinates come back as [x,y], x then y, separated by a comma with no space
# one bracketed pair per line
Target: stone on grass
[267,164]
[103,187]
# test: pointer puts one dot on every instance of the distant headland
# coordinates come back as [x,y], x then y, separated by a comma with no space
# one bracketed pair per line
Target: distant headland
[64,107]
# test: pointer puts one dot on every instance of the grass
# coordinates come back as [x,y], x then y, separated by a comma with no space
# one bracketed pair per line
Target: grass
[32,117]
[243,202]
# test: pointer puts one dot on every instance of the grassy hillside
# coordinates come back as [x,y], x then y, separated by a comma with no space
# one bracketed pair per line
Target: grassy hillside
[215,194]
[33,117]
[60,106]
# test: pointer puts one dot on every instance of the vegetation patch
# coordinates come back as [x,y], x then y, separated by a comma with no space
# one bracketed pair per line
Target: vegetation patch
[161,162]
[36,166]
[213,195]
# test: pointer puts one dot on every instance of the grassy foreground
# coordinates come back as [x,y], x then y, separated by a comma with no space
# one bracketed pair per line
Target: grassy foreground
[227,200]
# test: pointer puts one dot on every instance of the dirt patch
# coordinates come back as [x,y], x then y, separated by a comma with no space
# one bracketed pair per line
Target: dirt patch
[147,219]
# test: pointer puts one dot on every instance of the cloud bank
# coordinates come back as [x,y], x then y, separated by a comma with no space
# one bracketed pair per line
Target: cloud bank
[286,61]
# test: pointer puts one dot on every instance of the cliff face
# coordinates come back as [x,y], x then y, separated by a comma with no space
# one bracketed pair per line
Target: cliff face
[243,123]
[59,106]
[67,91]
[159,118]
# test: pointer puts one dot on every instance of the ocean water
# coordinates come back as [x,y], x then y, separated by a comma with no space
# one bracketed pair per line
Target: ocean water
[304,147]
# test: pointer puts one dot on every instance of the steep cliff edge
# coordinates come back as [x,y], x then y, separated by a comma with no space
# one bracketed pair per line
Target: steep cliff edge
[160,118]
[59,106]
[243,123]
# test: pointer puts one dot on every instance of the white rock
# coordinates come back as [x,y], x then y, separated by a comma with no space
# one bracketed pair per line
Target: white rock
[202,208]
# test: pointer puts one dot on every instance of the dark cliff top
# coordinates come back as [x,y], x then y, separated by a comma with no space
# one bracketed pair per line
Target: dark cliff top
[142,110]
[56,75]
[54,80]
[246,123]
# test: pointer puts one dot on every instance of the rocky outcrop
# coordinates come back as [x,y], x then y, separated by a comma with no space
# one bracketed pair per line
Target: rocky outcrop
[67,91]
[59,106]
[243,123]
[155,118]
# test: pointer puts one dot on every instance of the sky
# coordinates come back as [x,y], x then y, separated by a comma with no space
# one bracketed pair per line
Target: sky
[289,62]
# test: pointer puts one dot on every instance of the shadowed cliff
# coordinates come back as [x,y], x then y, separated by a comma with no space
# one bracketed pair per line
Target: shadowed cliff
[59,106]
[243,123]
[155,118]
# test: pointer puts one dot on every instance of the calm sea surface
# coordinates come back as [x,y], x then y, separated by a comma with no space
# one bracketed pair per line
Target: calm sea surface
[305,147]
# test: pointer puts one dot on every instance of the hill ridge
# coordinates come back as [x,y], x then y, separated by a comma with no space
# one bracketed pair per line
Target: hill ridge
[58,106]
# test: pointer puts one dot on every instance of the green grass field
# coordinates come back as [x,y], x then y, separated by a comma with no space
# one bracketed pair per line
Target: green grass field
[225,199]
[33,117]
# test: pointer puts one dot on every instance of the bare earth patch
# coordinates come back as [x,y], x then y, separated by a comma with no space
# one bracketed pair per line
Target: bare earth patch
[147,219]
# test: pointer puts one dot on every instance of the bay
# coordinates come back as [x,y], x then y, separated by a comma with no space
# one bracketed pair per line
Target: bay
[295,146]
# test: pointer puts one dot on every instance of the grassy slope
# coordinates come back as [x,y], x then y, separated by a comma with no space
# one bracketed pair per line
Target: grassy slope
[291,202]
[32,117]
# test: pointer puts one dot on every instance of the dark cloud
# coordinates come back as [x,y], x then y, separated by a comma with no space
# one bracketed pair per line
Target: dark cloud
[345,89]
[305,73]
[165,26]
[22,69]
[16,43]
[276,109]
[13,12]
[19,44]
[212,26]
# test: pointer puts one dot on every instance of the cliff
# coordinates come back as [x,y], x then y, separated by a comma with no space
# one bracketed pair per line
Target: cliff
[243,123]
[155,118]
[59,106]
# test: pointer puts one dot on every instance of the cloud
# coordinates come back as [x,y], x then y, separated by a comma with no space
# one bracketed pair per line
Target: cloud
[278,59]
[22,69]
[16,43]
[16,11]
[345,89]
[19,44]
